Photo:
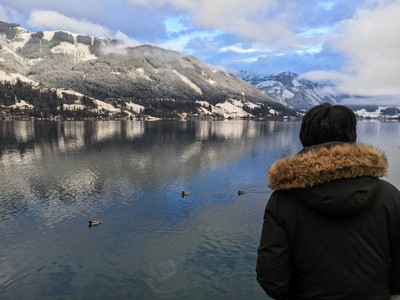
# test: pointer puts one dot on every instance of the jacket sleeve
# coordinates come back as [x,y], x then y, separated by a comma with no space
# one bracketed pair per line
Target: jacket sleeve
[273,256]
[394,272]
[394,275]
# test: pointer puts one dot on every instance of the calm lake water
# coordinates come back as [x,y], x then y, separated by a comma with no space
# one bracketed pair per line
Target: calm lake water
[152,244]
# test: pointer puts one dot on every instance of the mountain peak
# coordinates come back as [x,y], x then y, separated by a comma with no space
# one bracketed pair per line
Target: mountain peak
[287,88]
[287,73]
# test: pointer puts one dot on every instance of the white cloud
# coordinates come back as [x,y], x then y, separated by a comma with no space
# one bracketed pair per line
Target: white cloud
[3,13]
[250,19]
[45,19]
[7,14]
[126,40]
[180,42]
[237,49]
[371,41]
[124,43]
[56,21]
[378,100]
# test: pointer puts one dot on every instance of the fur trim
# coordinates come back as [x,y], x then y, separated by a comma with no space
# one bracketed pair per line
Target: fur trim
[325,164]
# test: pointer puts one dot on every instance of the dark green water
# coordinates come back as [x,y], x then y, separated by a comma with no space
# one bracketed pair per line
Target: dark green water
[152,244]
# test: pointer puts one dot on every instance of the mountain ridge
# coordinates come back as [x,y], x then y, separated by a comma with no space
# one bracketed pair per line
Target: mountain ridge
[290,89]
[143,74]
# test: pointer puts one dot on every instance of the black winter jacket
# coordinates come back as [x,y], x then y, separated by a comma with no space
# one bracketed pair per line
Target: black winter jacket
[331,228]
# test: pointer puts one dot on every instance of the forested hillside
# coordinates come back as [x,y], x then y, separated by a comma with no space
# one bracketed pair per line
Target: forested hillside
[162,81]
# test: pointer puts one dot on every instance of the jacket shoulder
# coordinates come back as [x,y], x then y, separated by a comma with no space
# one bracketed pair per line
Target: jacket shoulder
[388,190]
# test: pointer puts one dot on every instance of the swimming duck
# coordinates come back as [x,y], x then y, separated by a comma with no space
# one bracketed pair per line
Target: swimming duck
[94,223]
[185,194]
[241,192]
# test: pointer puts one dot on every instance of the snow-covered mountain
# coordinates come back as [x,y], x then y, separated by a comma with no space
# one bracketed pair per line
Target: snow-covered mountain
[105,69]
[376,111]
[289,89]
[302,94]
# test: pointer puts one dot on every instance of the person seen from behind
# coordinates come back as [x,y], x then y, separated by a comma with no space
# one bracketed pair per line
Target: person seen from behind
[331,227]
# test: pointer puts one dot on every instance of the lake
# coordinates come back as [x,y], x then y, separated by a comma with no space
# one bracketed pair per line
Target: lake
[152,243]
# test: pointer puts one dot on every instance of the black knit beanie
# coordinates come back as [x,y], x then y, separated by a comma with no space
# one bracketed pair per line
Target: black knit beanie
[326,123]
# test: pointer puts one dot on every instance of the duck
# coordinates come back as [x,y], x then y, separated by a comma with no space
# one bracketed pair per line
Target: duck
[185,194]
[241,192]
[94,223]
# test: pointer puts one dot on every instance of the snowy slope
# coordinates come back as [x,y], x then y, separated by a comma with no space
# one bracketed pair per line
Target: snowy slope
[376,112]
[141,75]
[289,89]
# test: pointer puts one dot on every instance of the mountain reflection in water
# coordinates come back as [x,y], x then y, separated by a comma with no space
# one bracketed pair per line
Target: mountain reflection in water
[152,243]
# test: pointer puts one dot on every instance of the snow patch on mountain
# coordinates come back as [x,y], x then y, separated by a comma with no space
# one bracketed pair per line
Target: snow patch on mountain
[252,105]
[204,111]
[79,51]
[187,81]
[210,81]
[363,113]
[379,112]
[20,39]
[286,94]
[9,56]
[296,83]
[231,109]
[228,109]
[60,93]
[48,35]
[267,83]
[134,107]
[21,104]
[101,105]
[143,74]
[12,77]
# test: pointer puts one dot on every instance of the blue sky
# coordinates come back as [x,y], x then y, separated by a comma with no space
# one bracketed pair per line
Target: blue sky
[353,43]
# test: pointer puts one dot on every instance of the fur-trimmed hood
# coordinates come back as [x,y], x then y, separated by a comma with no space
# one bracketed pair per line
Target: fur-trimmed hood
[325,163]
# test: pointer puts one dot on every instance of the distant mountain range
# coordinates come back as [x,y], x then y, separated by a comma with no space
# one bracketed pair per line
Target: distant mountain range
[301,94]
[289,89]
[161,81]
[100,75]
